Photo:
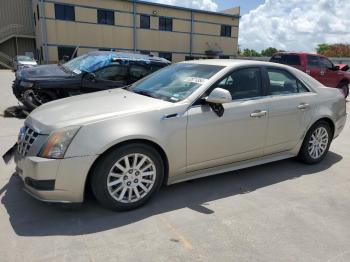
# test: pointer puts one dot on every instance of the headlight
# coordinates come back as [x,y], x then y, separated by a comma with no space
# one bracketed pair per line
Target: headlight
[58,142]
[26,84]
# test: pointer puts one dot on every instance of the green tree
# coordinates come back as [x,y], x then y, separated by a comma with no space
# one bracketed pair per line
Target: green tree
[250,52]
[334,50]
[269,51]
[322,48]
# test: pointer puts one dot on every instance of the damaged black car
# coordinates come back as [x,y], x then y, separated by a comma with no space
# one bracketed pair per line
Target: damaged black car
[94,71]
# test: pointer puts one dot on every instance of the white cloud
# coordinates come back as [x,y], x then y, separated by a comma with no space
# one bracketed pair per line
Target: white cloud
[208,5]
[298,25]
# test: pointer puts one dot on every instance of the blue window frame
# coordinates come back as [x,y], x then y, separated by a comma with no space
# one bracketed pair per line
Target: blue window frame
[105,17]
[64,12]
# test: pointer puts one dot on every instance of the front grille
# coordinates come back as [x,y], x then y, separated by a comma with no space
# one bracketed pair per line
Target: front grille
[25,140]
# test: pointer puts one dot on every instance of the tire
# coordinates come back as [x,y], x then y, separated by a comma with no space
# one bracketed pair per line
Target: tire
[119,187]
[344,88]
[316,143]
[32,99]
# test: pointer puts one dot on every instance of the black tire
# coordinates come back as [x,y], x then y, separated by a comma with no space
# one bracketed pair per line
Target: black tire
[30,98]
[344,88]
[104,165]
[304,153]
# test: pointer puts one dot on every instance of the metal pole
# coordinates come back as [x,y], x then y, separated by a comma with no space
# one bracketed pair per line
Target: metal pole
[191,35]
[134,28]
[16,40]
[43,31]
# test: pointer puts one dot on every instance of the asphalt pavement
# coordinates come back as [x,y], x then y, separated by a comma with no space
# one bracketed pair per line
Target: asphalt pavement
[283,211]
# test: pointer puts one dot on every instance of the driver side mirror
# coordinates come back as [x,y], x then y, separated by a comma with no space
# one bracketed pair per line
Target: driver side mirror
[219,96]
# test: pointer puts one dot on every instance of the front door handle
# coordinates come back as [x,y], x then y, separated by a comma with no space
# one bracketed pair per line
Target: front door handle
[322,73]
[303,106]
[258,113]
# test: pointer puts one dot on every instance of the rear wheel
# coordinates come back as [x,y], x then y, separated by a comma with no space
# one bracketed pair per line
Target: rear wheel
[316,143]
[344,87]
[127,177]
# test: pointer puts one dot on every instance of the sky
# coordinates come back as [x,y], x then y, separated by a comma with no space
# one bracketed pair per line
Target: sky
[291,25]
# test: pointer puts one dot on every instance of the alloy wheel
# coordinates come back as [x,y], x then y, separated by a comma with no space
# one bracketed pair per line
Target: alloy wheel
[131,178]
[318,143]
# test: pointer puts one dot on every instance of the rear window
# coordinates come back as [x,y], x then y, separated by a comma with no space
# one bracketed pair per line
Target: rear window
[286,59]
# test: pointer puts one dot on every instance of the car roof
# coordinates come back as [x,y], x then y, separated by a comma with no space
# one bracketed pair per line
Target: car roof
[234,63]
[132,56]
[297,53]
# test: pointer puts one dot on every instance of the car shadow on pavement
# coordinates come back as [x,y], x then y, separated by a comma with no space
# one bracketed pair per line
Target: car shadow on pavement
[30,217]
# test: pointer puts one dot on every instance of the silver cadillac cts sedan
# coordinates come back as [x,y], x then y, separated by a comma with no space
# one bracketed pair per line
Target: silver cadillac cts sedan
[188,120]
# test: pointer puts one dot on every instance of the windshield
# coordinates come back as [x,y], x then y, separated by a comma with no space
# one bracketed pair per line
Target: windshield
[88,62]
[25,58]
[175,83]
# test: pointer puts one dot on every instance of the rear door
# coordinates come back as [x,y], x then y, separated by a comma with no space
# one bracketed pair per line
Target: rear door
[289,110]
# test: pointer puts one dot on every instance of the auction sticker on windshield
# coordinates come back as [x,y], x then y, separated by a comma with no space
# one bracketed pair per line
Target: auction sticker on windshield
[196,80]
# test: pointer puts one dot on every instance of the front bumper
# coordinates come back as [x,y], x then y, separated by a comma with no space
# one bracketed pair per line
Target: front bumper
[17,90]
[54,180]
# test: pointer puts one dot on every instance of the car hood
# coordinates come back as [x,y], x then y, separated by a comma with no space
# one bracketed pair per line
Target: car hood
[84,109]
[42,71]
[343,67]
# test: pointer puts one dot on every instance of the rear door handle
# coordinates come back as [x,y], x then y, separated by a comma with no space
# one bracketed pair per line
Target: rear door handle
[258,113]
[303,106]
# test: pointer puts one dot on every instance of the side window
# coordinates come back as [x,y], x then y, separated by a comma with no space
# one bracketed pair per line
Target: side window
[105,17]
[165,24]
[325,63]
[282,82]
[112,73]
[313,61]
[226,30]
[66,51]
[145,21]
[243,83]
[138,71]
[64,12]
[166,55]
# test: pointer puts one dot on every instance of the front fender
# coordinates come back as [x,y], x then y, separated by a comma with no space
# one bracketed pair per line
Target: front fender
[96,138]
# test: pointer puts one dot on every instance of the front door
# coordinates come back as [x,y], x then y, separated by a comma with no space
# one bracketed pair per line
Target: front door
[239,134]
[289,111]
[313,67]
[106,78]
[329,76]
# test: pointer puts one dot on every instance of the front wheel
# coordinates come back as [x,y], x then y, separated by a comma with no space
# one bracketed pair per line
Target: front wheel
[316,143]
[127,177]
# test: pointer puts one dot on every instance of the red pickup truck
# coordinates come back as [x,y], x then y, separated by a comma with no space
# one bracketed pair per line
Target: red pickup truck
[319,67]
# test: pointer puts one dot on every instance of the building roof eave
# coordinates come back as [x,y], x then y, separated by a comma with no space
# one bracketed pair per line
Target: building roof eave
[186,9]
